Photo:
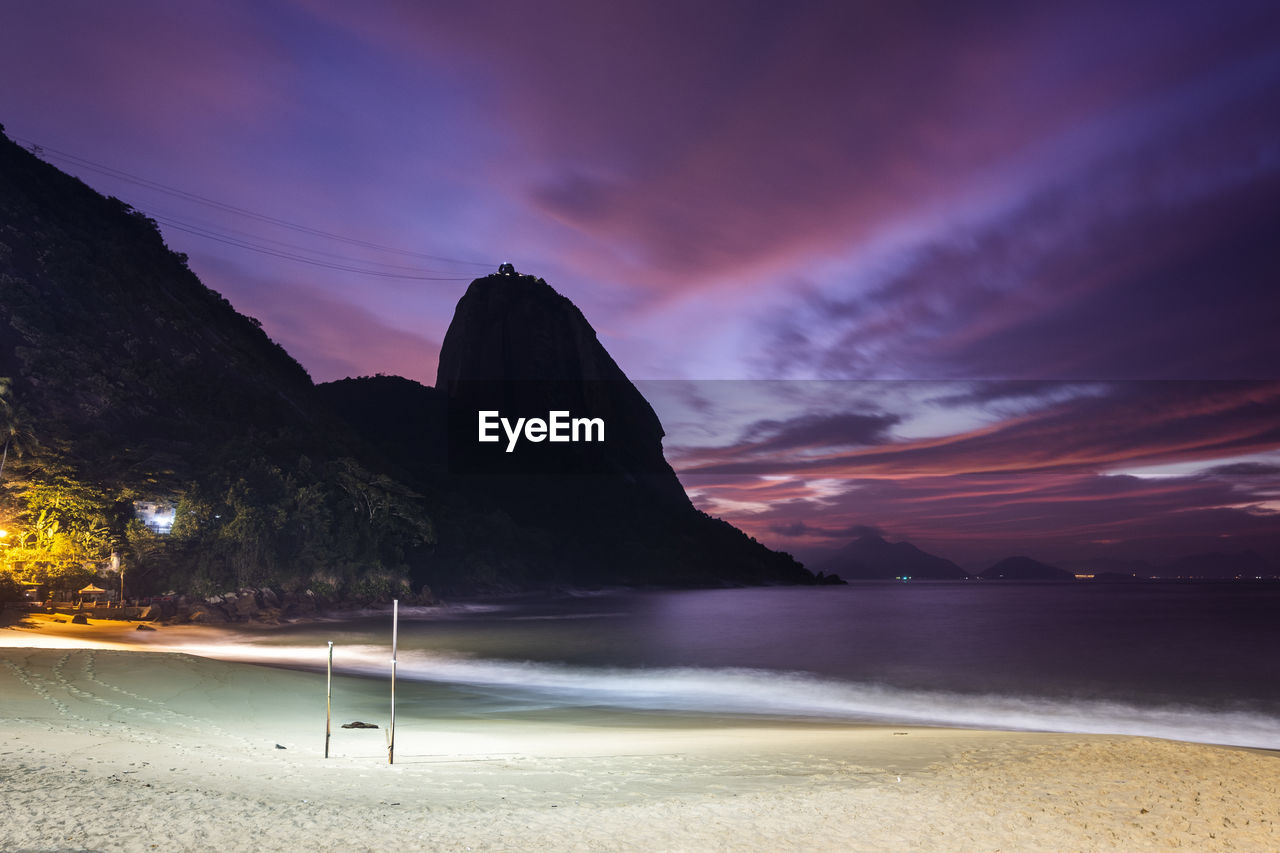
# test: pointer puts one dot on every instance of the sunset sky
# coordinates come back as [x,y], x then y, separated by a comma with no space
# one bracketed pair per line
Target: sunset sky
[992,277]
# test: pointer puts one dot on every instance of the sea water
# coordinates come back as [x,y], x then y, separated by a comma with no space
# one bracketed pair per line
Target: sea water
[1188,661]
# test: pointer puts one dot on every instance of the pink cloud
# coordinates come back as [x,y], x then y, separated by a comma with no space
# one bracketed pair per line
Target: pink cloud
[1138,422]
[1051,475]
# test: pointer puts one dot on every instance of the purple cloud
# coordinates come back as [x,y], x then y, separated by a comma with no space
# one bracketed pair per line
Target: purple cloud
[817,432]
[1054,472]
[1062,194]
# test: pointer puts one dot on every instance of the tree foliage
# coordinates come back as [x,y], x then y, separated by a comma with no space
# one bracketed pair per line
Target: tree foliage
[145,385]
[255,522]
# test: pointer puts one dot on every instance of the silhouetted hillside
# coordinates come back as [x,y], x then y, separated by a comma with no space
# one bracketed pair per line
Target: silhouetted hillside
[873,558]
[132,381]
[607,512]
[1026,569]
[138,394]
[112,341]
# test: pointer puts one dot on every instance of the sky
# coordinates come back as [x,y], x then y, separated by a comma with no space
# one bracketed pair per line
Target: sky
[990,277]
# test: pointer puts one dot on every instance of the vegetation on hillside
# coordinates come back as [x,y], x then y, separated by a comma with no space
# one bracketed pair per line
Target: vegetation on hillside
[131,385]
[127,380]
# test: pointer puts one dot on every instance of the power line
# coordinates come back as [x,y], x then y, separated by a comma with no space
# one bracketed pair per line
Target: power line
[120,174]
[231,241]
[230,208]
[254,242]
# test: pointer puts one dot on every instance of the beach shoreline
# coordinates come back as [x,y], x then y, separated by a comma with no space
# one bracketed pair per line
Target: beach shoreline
[108,746]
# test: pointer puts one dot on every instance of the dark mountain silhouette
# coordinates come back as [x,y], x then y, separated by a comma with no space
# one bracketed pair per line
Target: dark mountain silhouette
[142,384]
[1026,569]
[873,558]
[399,419]
[517,346]
[114,342]
[611,512]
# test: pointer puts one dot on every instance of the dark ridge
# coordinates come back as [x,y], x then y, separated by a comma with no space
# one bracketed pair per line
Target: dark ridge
[142,384]
[607,514]
[873,558]
[1026,569]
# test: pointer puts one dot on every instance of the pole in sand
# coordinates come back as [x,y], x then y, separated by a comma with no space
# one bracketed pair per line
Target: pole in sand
[328,700]
[395,636]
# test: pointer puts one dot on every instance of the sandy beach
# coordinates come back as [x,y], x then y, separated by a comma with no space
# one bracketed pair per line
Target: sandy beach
[104,746]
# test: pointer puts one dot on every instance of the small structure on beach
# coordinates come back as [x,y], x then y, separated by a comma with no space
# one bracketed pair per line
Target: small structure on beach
[92,591]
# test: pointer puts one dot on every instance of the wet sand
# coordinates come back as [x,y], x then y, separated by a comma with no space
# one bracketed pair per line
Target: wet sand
[107,747]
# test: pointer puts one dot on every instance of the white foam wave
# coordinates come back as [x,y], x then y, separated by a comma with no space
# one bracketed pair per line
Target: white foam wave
[751,691]
[417,613]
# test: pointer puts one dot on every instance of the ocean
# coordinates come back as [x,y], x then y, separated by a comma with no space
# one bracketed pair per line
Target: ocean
[1186,661]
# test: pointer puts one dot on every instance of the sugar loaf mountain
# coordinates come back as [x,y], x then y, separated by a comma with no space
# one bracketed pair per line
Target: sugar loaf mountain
[150,426]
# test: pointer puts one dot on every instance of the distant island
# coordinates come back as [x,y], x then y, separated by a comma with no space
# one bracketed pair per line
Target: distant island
[872,557]
[1026,569]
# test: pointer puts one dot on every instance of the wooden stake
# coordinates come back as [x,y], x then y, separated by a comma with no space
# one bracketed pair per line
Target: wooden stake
[328,701]
[395,637]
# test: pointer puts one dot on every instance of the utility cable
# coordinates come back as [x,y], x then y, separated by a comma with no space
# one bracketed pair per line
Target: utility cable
[120,174]
[255,242]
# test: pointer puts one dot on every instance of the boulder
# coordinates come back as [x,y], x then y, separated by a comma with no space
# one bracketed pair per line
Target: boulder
[208,615]
[268,616]
[298,604]
[244,605]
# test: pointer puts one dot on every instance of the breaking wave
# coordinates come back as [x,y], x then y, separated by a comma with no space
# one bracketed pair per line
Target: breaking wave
[769,693]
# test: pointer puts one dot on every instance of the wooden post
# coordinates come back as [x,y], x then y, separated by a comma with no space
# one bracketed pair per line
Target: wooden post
[328,700]
[395,637]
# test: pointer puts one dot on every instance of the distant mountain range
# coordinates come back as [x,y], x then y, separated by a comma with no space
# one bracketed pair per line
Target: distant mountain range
[871,557]
[1026,569]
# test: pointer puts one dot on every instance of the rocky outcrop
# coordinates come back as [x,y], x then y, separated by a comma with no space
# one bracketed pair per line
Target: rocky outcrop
[264,606]
[608,512]
[517,346]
